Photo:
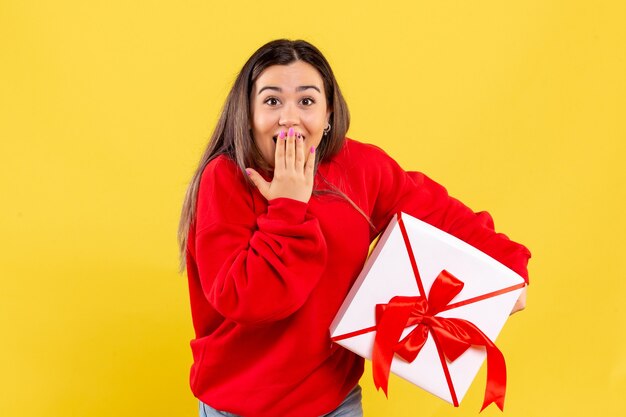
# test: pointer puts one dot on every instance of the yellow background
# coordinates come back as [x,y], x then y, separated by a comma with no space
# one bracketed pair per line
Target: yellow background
[518,107]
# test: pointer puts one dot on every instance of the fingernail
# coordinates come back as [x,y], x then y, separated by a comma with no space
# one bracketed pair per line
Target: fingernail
[248,172]
[290,131]
[281,134]
[312,149]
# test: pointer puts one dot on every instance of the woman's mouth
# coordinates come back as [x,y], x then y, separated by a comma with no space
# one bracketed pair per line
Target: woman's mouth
[275,138]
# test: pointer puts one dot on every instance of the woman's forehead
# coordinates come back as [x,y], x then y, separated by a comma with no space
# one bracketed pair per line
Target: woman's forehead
[291,77]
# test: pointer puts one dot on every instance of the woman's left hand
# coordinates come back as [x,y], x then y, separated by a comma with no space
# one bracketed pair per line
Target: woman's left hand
[520,304]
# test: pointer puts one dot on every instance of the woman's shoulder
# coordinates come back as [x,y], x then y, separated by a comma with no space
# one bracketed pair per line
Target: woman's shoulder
[360,146]
[223,190]
[221,173]
[355,152]
[221,162]
[222,166]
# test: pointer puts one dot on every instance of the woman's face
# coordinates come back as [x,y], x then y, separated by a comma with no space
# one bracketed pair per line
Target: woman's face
[286,96]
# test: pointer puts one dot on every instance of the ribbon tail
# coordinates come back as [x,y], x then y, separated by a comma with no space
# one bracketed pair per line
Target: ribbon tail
[390,324]
[465,331]
[381,367]
[496,378]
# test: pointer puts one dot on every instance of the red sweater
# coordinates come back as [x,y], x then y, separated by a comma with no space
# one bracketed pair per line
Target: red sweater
[267,278]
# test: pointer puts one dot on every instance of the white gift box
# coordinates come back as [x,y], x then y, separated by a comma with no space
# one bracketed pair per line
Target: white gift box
[487,297]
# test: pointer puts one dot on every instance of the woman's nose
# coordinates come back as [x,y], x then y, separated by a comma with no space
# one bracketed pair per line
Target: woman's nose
[289,116]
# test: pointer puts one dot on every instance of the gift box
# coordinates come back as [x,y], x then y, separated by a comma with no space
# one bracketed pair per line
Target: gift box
[427,307]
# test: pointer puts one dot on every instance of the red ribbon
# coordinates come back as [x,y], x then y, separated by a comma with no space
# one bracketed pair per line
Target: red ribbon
[452,336]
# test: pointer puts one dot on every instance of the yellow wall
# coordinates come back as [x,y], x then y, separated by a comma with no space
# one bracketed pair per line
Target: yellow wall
[518,107]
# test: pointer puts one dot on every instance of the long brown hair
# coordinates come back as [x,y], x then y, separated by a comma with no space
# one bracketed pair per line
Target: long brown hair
[232,135]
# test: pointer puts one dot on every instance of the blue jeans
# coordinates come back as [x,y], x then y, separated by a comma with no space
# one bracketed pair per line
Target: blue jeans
[350,407]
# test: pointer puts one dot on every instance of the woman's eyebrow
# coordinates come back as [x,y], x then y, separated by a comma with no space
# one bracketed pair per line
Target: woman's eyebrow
[306,87]
[298,89]
[269,87]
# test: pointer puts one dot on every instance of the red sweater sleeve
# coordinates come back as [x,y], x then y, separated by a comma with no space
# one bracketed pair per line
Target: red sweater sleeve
[416,194]
[254,267]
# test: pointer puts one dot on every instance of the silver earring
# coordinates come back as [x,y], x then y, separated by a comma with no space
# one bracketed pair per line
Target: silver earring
[327,129]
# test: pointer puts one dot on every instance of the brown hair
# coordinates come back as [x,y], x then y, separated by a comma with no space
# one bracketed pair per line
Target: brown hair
[232,135]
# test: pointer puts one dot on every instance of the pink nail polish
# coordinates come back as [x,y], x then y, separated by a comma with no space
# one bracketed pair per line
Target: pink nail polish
[281,134]
[248,172]
[290,131]
[312,149]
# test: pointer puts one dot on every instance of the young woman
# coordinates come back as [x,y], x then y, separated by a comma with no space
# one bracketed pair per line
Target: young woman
[275,228]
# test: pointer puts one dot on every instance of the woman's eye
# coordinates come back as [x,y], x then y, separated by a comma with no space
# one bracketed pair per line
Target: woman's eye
[272,101]
[307,101]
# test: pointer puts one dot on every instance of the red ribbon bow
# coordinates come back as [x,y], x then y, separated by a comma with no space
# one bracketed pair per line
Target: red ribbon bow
[452,337]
